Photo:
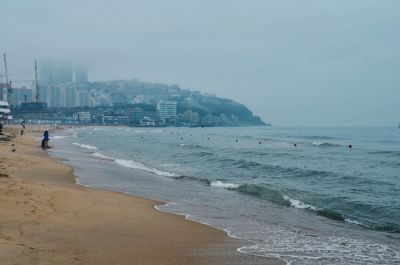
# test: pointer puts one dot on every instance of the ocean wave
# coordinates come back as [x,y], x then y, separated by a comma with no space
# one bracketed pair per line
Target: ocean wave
[86,146]
[254,152]
[224,160]
[247,164]
[191,146]
[224,185]
[354,222]
[205,154]
[276,196]
[325,144]
[299,204]
[261,192]
[385,152]
[285,171]
[322,212]
[247,137]
[185,177]
[100,155]
[136,165]
[318,137]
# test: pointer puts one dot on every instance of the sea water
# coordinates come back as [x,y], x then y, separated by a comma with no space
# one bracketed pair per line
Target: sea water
[299,194]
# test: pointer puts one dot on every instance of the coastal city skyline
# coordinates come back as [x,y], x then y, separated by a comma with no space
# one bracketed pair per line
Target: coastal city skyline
[62,94]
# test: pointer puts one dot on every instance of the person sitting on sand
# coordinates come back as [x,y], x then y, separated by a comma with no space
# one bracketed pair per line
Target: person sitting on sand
[45,141]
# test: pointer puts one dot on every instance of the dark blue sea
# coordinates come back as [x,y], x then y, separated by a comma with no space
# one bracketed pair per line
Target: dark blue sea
[298,194]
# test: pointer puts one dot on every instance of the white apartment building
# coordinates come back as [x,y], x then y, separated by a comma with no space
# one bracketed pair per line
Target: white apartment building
[166,109]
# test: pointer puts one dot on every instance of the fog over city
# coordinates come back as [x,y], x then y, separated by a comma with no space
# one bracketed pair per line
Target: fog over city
[311,63]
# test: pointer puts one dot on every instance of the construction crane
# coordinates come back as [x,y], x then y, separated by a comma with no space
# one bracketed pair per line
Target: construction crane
[8,85]
[5,67]
[37,97]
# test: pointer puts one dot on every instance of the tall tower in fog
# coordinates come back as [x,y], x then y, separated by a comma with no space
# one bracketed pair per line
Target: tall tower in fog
[80,74]
[55,73]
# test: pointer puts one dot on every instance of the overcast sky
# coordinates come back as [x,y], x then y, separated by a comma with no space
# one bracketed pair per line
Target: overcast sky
[291,62]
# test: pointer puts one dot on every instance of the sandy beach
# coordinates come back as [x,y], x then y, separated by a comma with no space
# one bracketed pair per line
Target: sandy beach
[45,218]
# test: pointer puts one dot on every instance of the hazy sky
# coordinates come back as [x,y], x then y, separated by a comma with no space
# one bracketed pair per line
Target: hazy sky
[291,62]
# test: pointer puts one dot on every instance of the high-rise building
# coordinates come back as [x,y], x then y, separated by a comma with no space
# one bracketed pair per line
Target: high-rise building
[63,73]
[20,95]
[25,95]
[80,74]
[55,73]
[14,97]
[43,94]
[70,97]
[46,73]
[167,110]
[84,99]
[56,97]
[3,91]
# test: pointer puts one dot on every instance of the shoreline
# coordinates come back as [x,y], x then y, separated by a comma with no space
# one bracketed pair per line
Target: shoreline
[122,237]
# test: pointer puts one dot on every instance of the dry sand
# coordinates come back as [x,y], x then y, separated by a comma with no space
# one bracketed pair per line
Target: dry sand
[46,219]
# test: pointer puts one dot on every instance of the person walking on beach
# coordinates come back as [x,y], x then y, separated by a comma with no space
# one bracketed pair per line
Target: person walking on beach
[22,127]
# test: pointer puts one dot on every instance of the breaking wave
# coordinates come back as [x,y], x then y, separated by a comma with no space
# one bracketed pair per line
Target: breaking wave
[86,146]
[224,185]
[299,204]
[318,137]
[136,165]
[324,144]
[100,155]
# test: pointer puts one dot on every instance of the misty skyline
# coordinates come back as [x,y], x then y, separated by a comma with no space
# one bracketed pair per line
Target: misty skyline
[291,62]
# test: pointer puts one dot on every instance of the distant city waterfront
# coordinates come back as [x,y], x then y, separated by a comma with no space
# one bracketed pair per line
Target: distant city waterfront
[63,95]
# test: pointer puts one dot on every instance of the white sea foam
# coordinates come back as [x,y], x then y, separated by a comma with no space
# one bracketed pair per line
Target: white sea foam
[354,222]
[102,156]
[299,204]
[295,247]
[224,185]
[324,144]
[317,143]
[86,146]
[59,137]
[140,166]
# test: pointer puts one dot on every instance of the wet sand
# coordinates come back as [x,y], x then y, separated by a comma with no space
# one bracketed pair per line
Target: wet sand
[45,218]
